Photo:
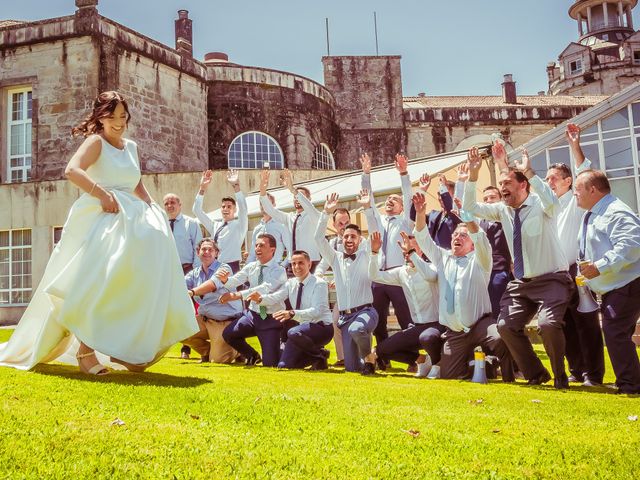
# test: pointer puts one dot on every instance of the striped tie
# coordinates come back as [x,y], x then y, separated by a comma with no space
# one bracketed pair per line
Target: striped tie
[518,261]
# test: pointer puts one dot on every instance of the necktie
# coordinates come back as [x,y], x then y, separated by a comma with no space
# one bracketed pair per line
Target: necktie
[518,261]
[293,239]
[352,256]
[171,222]
[583,240]
[385,241]
[263,309]
[299,297]
[450,292]
[217,234]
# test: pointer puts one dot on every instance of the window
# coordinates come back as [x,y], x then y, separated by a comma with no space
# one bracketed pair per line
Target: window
[19,113]
[15,267]
[575,67]
[322,158]
[255,150]
[636,57]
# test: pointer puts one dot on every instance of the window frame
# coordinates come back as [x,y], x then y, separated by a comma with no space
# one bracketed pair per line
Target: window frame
[25,170]
[579,67]
[11,248]
[327,155]
[252,163]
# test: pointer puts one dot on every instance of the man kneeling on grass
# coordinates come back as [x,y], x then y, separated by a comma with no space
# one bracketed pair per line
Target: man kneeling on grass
[464,305]
[309,297]
[213,316]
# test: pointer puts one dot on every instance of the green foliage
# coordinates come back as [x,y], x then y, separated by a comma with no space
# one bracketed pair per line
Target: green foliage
[184,420]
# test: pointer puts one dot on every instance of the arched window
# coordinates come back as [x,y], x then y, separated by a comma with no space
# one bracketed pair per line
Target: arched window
[322,158]
[255,150]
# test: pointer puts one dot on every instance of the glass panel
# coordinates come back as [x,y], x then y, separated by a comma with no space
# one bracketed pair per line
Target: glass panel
[592,152]
[16,106]
[4,297]
[625,190]
[616,134]
[27,140]
[17,139]
[559,155]
[4,241]
[620,119]
[635,111]
[617,153]
[29,105]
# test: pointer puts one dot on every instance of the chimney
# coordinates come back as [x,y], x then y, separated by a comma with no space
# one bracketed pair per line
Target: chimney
[184,44]
[422,94]
[213,58]
[87,4]
[509,89]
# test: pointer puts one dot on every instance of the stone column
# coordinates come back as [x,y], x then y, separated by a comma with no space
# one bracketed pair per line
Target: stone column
[620,14]
[580,24]
[588,19]
[629,18]
[605,12]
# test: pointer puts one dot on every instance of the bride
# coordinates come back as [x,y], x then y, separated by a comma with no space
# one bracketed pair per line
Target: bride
[114,283]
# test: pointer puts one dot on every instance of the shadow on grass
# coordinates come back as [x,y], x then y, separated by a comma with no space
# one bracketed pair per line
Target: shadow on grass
[121,377]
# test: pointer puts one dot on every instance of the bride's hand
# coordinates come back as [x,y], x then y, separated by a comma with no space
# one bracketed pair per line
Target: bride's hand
[109,204]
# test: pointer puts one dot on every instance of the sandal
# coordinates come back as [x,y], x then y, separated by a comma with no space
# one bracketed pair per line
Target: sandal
[132,367]
[96,369]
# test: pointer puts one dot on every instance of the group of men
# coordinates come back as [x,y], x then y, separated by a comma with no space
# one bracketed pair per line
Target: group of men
[470,275]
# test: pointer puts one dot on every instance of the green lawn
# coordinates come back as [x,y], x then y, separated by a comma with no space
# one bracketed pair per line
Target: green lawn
[183,420]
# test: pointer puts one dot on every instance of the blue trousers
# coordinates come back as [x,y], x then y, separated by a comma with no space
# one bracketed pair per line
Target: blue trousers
[250,325]
[356,332]
[304,344]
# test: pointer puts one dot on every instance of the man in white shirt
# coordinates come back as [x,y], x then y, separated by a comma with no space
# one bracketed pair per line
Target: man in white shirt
[309,299]
[186,232]
[299,224]
[464,305]
[350,268]
[542,283]
[584,346]
[419,281]
[270,226]
[395,220]
[264,276]
[229,232]
[609,250]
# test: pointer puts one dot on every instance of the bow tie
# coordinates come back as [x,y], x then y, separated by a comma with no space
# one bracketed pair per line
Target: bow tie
[352,256]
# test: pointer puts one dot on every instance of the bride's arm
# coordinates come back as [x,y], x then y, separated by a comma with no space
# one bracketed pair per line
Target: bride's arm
[142,193]
[76,173]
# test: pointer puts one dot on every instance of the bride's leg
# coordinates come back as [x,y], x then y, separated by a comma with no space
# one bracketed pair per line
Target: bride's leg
[88,362]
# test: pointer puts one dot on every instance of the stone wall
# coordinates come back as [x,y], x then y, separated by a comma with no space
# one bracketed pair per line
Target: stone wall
[369,108]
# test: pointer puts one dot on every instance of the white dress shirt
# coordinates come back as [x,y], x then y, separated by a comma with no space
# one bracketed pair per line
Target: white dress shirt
[187,235]
[353,286]
[612,244]
[278,231]
[305,226]
[273,277]
[314,304]
[230,237]
[570,219]
[392,224]
[541,249]
[419,284]
[472,273]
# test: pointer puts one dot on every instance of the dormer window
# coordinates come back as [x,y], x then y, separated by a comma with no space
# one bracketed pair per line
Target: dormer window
[575,67]
[636,57]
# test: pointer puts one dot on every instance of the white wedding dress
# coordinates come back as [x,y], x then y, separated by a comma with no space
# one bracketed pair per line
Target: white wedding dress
[114,281]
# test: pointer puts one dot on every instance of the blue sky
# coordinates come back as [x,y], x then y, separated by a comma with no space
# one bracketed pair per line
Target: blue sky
[448,47]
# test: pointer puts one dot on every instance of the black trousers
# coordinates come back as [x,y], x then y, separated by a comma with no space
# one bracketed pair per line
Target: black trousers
[620,313]
[404,346]
[383,296]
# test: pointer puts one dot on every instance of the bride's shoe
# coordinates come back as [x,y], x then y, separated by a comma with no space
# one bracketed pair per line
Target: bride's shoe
[132,367]
[95,369]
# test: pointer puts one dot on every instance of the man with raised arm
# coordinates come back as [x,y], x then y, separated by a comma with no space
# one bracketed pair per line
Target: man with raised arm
[464,306]
[264,276]
[584,347]
[395,220]
[299,224]
[229,232]
[273,228]
[309,300]
[419,281]
[358,318]
[542,283]
[609,250]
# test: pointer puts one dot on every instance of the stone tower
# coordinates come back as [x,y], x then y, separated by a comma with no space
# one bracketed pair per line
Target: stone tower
[605,58]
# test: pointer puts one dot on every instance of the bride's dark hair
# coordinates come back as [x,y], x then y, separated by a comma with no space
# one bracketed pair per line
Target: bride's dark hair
[103,106]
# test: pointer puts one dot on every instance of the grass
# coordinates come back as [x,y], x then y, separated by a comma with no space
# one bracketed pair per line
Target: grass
[183,420]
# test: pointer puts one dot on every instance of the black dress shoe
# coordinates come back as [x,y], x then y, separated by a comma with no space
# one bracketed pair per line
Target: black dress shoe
[204,359]
[254,360]
[544,377]
[591,383]
[320,364]
[369,369]
[561,382]
[382,365]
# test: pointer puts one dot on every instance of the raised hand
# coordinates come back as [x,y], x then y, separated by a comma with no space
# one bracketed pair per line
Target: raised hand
[264,180]
[405,245]
[474,163]
[376,241]
[287,180]
[425,181]
[573,134]
[463,169]
[365,161]
[524,165]
[332,203]
[232,176]
[499,154]
[402,163]
[458,203]
[420,203]
[205,180]
[363,199]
